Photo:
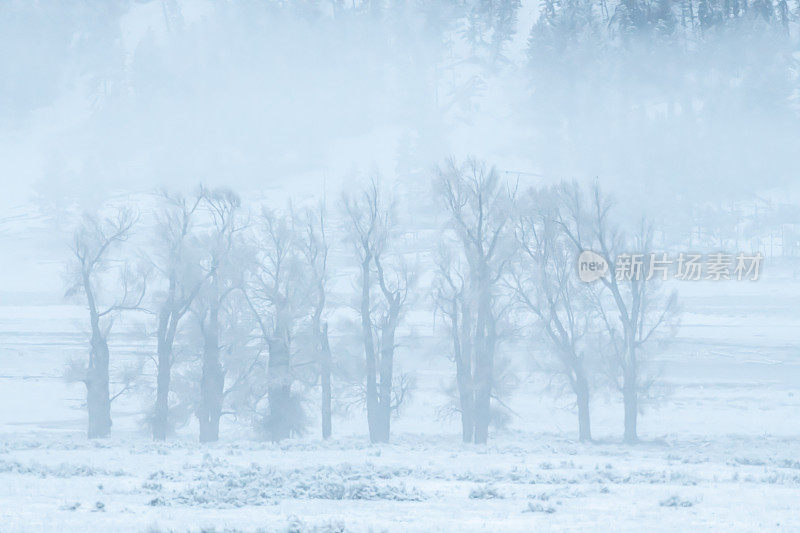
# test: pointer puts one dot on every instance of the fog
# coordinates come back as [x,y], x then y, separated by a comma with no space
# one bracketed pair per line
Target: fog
[100,95]
[196,192]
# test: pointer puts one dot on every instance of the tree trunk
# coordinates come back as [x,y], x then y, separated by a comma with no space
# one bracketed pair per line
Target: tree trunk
[463,355]
[385,393]
[325,371]
[483,394]
[484,366]
[631,411]
[279,389]
[467,401]
[167,327]
[629,396]
[213,382]
[369,352]
[98,402]
[582,394]
[161,410]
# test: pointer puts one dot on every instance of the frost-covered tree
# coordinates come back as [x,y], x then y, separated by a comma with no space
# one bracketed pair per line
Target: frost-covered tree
[452,302]
[546,287]
[385,283]
[490,25]
[632,305]
[277,292]
[176,260]
[315,247]
[222,271]
[109,285]
[478,206]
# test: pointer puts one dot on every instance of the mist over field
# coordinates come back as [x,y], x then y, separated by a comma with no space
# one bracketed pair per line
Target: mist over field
[466,265]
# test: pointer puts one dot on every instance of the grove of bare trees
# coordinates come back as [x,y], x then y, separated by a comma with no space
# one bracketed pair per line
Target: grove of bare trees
[244,304]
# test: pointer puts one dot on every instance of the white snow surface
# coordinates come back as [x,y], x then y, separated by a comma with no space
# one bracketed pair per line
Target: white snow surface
[719,450]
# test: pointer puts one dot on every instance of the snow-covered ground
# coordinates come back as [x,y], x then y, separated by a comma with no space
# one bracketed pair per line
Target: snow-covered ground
[521,482]
[103,102]
[720,449]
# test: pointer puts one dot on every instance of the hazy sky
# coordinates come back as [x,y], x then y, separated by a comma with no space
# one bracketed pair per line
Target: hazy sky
[100,98]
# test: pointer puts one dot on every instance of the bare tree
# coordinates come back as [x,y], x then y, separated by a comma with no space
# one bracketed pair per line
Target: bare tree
[451,300]
[277,293]
[395,280]
[223,277]
[369,224]
[366,222]
[93,242]
[177,262]
[546,286]
[632,306]
[478,207]
[315,250]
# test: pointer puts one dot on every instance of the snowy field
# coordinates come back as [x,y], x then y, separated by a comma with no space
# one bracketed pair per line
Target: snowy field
[523,482]
[204,155]
[720,449]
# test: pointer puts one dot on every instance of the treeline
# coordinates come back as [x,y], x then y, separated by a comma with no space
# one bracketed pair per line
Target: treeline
[240,296]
